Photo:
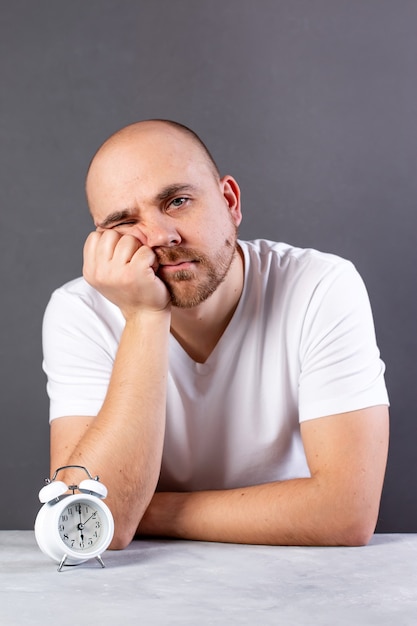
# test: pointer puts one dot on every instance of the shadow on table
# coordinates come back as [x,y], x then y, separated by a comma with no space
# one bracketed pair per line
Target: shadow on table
[139,551]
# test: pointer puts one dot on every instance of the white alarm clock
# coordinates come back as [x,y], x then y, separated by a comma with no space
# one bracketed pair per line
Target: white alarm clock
[72,528]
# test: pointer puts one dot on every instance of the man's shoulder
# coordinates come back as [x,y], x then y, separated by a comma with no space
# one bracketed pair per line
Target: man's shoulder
[76,289]
[78,294]
[76,286]
[266,254]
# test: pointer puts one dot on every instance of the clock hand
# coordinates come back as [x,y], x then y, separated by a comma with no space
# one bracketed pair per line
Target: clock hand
[81,525]
[87,520]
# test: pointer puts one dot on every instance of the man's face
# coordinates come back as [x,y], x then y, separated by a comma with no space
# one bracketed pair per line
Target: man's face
[159,187]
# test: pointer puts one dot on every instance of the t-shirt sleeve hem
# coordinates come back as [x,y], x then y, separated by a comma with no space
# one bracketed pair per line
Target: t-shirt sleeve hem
[334,406]
[86,409]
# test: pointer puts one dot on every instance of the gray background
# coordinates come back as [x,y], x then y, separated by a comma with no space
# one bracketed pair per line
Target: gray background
[310,104]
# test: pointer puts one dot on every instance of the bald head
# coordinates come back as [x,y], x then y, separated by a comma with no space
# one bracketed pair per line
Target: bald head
[141,133]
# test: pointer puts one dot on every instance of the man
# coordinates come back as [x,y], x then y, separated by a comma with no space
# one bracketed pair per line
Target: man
[222,390]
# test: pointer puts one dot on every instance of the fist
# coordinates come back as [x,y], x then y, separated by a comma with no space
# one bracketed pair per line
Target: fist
[123,270]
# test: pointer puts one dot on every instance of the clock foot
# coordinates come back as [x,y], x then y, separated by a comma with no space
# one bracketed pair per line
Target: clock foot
[100,560]
[64,558]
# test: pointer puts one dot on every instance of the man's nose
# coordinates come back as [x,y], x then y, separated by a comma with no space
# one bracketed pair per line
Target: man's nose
[159,232]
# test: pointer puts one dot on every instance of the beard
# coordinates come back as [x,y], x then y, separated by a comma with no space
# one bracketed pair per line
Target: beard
[181,285]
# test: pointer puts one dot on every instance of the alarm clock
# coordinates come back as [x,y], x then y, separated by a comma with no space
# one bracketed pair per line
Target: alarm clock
[71,528]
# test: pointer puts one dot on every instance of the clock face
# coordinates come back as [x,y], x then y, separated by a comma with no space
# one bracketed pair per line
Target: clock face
[80,525]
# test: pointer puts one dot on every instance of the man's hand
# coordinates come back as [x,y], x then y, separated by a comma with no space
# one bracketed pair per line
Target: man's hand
[123,270]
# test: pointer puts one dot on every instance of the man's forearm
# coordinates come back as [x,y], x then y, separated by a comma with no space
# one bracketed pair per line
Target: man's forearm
[124,443]
[294,512]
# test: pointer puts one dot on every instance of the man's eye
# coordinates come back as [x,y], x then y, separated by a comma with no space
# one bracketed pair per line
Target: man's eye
[128,223]
[176,203]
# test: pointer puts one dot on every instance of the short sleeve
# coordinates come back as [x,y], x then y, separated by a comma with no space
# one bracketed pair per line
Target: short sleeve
[78,354]
[341,369]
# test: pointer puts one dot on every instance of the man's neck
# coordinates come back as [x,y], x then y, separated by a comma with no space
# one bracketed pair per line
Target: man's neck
[199,328]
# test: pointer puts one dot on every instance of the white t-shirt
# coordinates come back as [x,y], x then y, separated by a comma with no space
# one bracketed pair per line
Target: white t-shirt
[301,345]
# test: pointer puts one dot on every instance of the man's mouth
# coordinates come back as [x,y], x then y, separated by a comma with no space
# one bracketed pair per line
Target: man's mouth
[176,266]
[177,261]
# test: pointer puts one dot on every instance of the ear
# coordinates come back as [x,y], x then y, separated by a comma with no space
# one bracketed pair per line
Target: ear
[231,193]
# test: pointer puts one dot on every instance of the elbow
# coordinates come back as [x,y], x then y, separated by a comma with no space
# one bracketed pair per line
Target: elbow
[357,536]
[356,530]
[121,540]
[123,535]
[125,528]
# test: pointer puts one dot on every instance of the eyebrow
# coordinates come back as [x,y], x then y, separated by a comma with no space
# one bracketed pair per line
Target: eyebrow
[164,194]
[117,216]
[172,190]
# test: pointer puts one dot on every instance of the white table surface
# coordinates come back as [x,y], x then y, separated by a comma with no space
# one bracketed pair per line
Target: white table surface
[196,583]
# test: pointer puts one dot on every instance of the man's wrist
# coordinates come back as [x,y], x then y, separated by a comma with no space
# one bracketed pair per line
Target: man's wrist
[140,316]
